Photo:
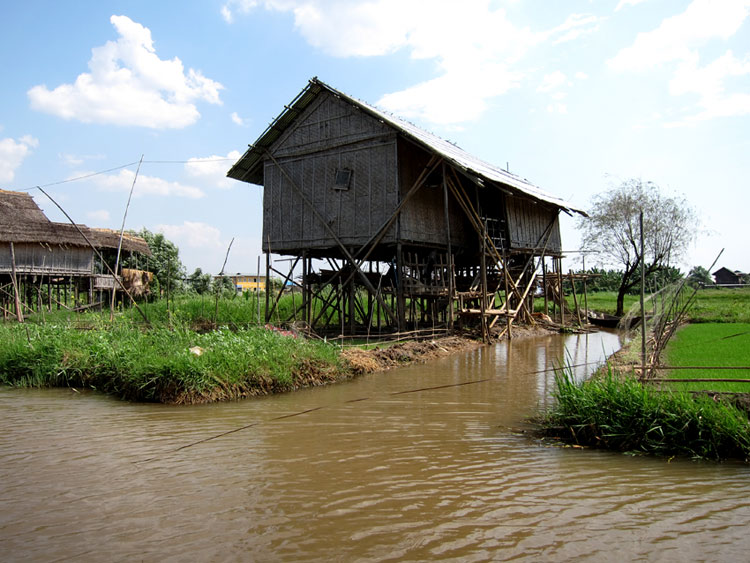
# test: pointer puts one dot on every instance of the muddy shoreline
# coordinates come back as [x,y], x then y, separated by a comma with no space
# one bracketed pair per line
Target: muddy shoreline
[382,358]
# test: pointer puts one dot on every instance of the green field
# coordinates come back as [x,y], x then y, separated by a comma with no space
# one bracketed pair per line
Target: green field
[721,306]
[710,305]
[710,344]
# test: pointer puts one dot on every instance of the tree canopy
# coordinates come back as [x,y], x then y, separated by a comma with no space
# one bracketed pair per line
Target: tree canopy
[164,262]
[613,230]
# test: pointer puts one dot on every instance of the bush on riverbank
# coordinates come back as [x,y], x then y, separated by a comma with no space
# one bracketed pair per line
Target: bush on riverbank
[621,414]
[169,366]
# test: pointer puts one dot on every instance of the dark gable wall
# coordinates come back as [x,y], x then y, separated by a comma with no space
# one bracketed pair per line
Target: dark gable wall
[330,135]
[527,222]
[423,217]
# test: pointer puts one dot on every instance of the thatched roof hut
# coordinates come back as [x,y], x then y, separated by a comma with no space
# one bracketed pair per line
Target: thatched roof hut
[22,221]
[44,246]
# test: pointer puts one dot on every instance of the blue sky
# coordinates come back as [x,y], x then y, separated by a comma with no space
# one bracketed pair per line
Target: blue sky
[574,96]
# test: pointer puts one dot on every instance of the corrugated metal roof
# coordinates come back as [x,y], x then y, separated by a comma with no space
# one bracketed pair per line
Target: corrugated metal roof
[249,168]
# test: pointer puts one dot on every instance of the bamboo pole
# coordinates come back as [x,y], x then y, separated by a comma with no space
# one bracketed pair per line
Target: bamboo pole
[98,254]
[119,242]
[575,298]
[14,279]
[221,276]
[330,231]
[451,287]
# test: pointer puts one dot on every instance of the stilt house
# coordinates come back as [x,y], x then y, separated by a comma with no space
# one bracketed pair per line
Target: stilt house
[38,256]
[425,228]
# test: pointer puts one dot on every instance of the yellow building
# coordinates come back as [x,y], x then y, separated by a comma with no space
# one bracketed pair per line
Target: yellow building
[248,282]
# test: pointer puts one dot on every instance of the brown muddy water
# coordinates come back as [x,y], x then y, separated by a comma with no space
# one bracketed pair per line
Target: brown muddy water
[368,470]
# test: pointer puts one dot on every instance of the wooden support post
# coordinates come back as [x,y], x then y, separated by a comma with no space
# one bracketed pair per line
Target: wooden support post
[14,279]
[585,294]
[575,299]
[352,307]
[400,298]
[451,288]
[268,283]
[483,283]
[562,292]
[304,287]
[508,320]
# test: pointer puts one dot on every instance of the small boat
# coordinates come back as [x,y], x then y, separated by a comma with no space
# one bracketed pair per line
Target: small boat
[604,320]
[613,321]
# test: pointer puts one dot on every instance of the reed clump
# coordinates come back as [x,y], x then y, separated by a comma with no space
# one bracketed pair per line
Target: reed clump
[168,365]
[621,414]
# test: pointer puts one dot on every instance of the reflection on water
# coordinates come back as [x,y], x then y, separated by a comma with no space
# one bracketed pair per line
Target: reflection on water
[378,471]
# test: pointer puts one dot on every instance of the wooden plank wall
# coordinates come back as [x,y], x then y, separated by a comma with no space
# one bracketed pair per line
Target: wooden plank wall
[34,258]
[423,217]
[527,222]
[331,135]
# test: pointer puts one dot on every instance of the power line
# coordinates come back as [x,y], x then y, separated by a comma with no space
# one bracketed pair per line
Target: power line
[199,161]
[80,177]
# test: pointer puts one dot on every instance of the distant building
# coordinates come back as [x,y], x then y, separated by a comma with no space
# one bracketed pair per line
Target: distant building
[725,276]
[248,282]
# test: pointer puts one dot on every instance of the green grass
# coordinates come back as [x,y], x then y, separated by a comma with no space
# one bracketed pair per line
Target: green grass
[710,344]
[710,305]
[603,301]
[623,415]
[158,364]
[727,305]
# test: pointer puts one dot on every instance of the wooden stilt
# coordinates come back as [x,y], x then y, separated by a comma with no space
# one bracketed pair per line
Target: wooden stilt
[14,279]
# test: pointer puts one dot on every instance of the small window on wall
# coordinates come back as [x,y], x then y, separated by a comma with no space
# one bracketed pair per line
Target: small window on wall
[343,179]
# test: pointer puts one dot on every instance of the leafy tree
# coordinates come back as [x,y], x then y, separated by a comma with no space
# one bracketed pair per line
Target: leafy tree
[699,276]
[223,285]
[603,280]
[612,228]
[164,261]
[199,282]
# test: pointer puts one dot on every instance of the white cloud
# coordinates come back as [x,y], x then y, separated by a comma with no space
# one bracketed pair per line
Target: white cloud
[580,75]
[12,154]
[144,185]
[624,3]
[242,6]
[77,160]
[575,26]
[474,44]
[553,81]
[128,84]
[557,108]
[677,41]
[98,216]
[678,36]
[212,170]
[237,119]
[193,234]
[708,83]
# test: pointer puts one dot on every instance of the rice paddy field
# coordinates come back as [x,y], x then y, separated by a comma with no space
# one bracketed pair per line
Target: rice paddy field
[710,345]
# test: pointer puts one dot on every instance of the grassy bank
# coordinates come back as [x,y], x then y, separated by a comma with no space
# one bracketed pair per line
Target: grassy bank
[159,364]
[623,415]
